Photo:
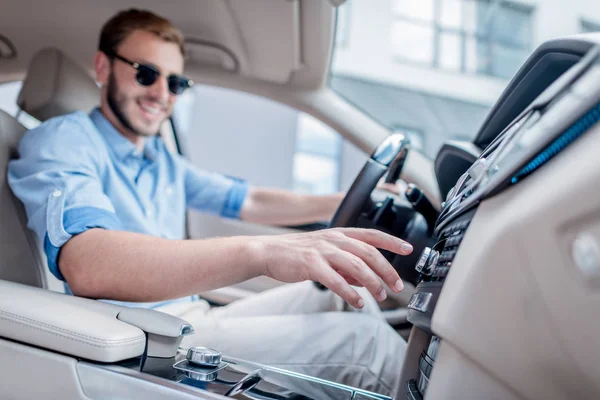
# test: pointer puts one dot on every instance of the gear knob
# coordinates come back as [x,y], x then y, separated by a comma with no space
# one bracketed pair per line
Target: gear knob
[203,357]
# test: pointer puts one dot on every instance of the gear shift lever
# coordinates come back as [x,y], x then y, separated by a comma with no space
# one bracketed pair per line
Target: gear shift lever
[422,205]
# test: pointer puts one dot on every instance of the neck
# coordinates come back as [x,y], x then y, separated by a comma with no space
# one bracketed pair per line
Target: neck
[137,140]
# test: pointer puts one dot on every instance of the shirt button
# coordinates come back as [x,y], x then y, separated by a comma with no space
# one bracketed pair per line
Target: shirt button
[149,213]
[169,191]
[56,193]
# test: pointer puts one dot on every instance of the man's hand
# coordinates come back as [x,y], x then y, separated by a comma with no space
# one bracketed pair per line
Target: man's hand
[398,188]
[337,258]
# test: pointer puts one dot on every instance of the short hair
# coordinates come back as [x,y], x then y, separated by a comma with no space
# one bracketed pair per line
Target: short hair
[124,23]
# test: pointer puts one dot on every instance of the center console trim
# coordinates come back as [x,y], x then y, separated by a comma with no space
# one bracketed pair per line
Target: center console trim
[580,86]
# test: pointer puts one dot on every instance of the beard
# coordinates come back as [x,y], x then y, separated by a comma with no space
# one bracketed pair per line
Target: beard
[117,104]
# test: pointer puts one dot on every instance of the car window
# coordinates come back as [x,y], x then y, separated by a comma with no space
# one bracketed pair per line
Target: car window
[434,68]
[264,142]
[9,92]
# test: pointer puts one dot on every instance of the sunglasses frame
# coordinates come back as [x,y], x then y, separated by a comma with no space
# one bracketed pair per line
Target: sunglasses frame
[187,83]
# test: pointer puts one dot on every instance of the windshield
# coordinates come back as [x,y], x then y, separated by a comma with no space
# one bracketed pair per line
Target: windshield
[433,68]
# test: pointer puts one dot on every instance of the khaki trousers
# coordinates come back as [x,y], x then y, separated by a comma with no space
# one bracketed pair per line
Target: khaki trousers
[301,328]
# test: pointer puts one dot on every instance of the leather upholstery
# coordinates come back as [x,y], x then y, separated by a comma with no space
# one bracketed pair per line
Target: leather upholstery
[55,85]
[21,259]
[67,324]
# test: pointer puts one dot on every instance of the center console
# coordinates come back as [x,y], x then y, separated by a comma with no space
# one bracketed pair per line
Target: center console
[206,369]
[108,350]
[558,117]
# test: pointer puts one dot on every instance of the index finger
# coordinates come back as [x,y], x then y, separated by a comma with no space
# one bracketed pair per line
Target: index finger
[379,239]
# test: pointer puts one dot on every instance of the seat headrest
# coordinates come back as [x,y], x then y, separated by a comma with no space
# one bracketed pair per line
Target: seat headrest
[56,85]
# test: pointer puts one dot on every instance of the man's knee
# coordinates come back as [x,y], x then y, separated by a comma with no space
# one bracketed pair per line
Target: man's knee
[372,333]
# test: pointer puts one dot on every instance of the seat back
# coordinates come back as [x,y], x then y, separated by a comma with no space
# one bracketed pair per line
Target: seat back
[55,85]
[21,258]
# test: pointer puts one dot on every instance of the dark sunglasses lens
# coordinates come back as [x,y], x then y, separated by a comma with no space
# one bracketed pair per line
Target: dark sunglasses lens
[177,84]
[146,76]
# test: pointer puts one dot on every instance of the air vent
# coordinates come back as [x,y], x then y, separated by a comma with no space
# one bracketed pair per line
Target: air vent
[7,48]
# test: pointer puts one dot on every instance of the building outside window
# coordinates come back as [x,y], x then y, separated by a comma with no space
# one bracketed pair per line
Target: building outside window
[491,37]
[589,26]
[317,157]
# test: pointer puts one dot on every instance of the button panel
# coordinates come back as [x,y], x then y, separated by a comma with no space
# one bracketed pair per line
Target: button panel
[419,301]
[434,264]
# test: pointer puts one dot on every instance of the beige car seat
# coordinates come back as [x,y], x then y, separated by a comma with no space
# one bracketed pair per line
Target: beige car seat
[54,85]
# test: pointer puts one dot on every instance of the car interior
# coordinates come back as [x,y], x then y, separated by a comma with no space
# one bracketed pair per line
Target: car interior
[500,289]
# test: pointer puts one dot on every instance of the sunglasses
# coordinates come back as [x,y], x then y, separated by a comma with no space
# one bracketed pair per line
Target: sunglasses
[146,76]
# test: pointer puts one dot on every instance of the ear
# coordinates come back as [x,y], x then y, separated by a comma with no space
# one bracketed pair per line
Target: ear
[102,65]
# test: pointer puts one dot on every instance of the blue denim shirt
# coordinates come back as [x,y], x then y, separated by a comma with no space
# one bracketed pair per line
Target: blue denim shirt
[77,172]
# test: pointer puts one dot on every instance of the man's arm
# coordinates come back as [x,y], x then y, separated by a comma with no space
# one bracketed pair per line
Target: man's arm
[282,207]
[128,266]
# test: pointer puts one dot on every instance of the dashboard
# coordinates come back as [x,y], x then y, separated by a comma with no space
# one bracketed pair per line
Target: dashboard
[562,114]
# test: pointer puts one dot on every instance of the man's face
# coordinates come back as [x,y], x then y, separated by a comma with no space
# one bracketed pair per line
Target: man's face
[140,110]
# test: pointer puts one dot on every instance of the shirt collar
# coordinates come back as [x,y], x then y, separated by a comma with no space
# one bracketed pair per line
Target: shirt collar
[120,145]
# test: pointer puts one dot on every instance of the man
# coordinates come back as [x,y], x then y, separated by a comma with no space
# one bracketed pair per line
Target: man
[108,201]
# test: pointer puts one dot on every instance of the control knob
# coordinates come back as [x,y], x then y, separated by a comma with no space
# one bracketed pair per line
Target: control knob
[427,261]
[203,357]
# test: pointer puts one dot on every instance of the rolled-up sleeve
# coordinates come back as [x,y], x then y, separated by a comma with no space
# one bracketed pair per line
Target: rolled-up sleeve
[57,178]
[214,193]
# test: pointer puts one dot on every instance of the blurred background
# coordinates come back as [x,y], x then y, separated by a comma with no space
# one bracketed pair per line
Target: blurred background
[429,68]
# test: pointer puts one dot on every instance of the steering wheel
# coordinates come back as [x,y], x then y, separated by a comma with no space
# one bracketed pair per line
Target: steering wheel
[389,157]
[402,221]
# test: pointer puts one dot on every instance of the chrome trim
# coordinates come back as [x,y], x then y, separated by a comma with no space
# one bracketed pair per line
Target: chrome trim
[204,394]
[420,301]
[423,375]
[198,373]
[423,259]
[428,260]
[351,389]
[362,396]
[203,356]
[412,391]
[392,150]
[432,262]
[427,358]
[186,330]
[245,384]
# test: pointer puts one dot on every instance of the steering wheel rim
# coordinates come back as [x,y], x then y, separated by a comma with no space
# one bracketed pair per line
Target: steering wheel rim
[389,157]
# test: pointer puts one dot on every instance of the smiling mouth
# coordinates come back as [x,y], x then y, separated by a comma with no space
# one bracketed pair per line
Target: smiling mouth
[151,110]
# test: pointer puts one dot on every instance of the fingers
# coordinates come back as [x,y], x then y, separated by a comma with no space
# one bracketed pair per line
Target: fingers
[379,239]
[339,258]
[338,285]
[376,263]
[350,280]
[348,264]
